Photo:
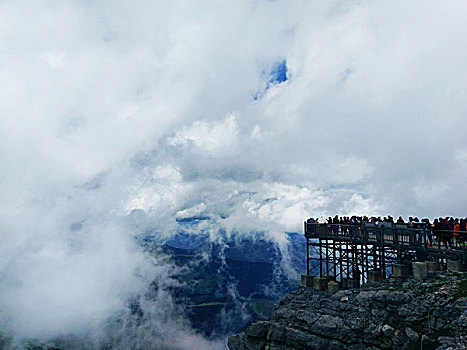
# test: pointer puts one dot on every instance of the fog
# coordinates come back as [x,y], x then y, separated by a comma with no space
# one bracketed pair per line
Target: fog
[120,116]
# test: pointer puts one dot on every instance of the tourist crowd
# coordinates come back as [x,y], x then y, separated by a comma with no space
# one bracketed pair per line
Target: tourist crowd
[445,230]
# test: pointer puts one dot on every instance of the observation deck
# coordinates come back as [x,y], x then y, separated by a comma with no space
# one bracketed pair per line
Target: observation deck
[368,251]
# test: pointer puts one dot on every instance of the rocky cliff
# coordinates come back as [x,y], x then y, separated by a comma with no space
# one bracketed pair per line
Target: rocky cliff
[391,314]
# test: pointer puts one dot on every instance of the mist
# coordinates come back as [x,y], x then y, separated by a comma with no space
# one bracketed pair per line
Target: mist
[120,117]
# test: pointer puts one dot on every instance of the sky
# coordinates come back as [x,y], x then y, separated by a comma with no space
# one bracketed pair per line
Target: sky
[120,116]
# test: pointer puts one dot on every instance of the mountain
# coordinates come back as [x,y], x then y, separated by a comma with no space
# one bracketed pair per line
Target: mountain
[230,283]
[391,314]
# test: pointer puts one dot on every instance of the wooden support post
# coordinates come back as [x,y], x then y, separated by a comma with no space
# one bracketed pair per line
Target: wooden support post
[327,256]
[383,261]
[334,247]
[355,271]
[375,258]
[320,258]
[363,260]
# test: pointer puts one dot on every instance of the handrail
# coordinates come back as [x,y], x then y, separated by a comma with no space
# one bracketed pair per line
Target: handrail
[384,234]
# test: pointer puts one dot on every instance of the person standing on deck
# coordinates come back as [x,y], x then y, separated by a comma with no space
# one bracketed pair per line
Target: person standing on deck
[445,232]
[455,234]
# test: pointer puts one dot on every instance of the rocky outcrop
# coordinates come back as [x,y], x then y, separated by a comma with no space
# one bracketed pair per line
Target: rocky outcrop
[392,314]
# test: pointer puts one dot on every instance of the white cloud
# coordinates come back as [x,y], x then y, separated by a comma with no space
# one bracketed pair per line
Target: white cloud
[211,137]
[54,59]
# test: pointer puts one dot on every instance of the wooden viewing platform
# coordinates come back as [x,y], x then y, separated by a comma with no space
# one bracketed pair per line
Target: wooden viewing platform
[356,254]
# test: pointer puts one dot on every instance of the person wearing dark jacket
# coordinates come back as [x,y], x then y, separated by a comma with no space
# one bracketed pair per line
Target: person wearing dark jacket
[445,231]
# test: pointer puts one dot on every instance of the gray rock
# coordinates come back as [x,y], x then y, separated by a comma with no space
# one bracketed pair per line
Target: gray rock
[301,340]
[275,333]
[364,298]
[257,329]
[388,330]
[327,324]
[241,342]
[402,314]
[411,334]
[399,338]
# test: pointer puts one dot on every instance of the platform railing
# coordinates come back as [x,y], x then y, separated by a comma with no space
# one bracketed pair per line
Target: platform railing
[386,234]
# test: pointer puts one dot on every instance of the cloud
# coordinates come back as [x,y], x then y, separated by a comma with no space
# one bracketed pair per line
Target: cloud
[146,110]
[213,138]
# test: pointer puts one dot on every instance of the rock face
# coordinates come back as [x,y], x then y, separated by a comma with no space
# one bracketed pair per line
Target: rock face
[392,314]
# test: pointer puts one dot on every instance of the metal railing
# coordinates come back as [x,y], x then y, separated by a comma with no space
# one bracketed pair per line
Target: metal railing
[386,234]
